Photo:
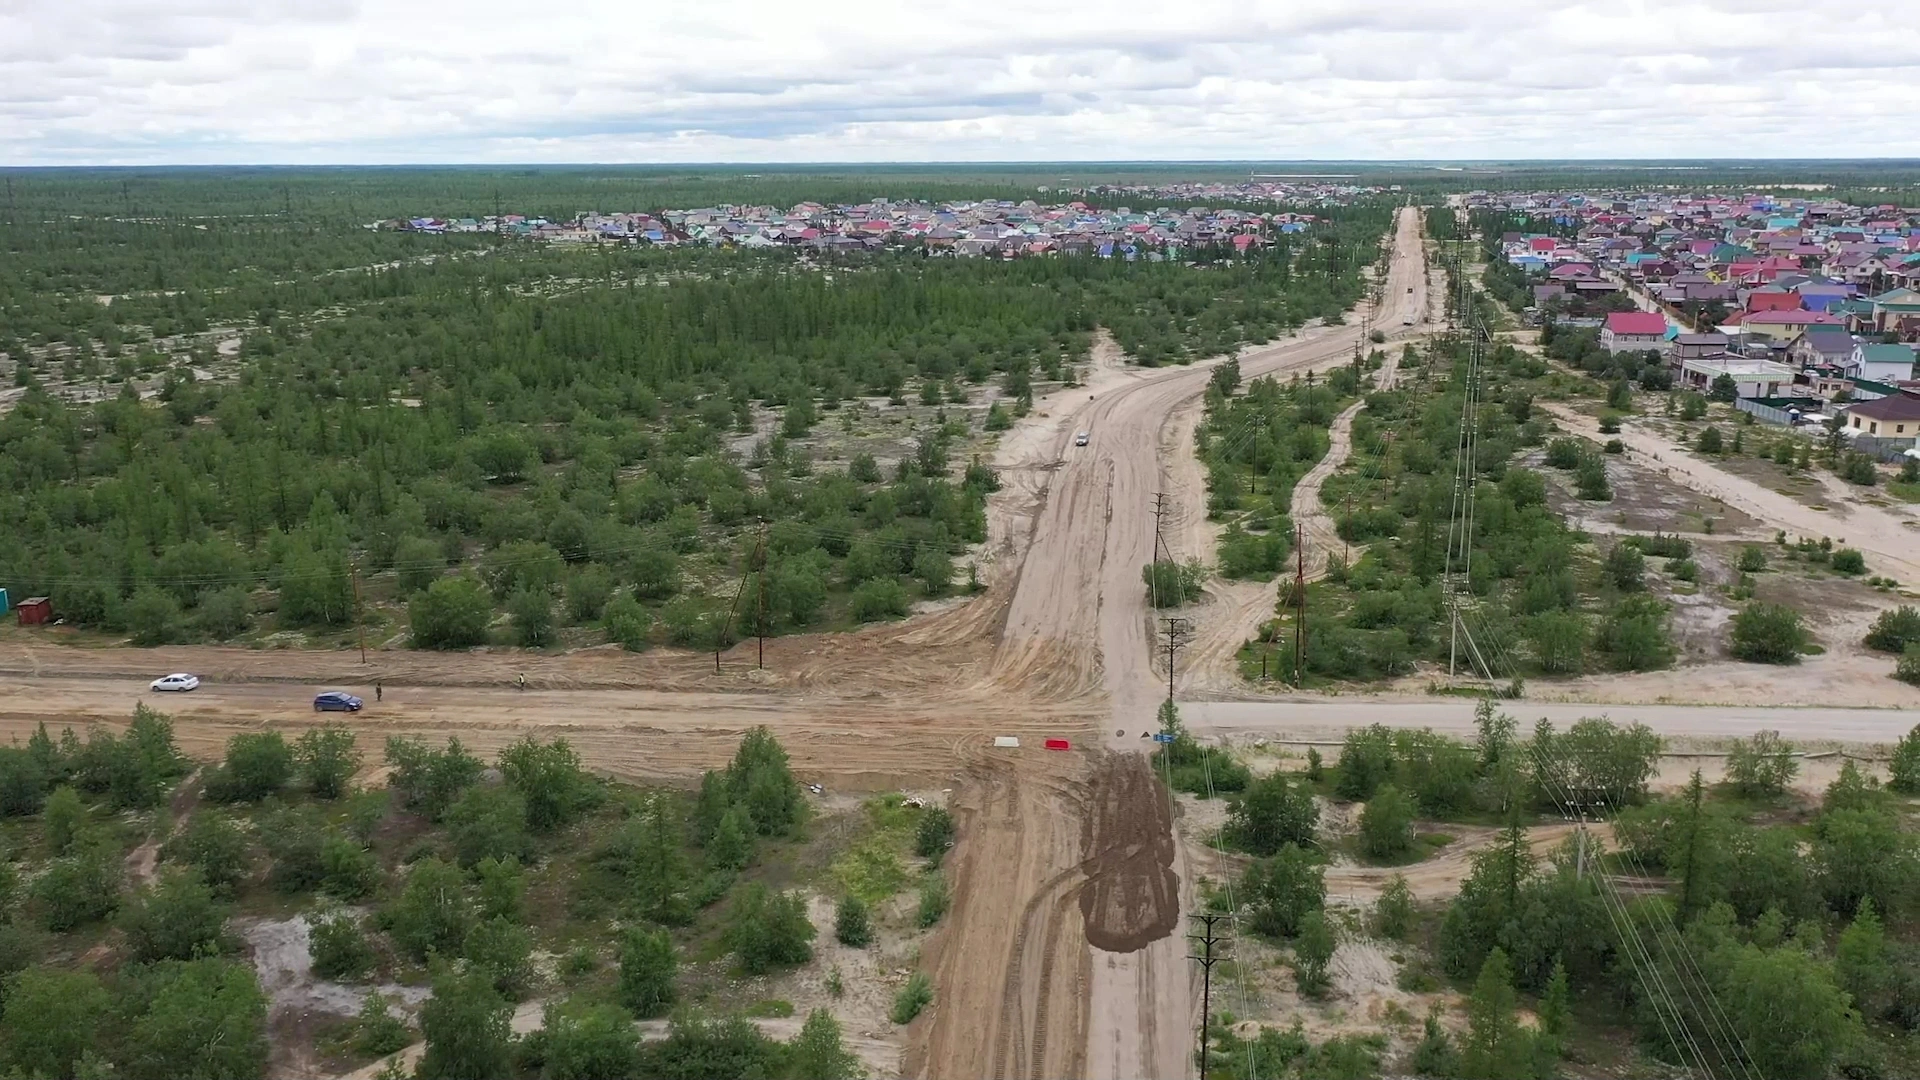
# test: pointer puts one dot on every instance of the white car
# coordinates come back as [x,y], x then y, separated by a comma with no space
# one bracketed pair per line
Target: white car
[1080,439]
[177,681]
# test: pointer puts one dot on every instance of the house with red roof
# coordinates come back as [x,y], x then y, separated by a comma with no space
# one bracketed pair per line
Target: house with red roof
[1631,331]
[1771,299]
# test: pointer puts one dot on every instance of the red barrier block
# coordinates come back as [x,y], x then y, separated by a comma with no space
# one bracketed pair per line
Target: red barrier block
[1059,744]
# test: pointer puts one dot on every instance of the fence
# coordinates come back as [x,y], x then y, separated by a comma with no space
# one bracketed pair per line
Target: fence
[1882,448]
[1774,410]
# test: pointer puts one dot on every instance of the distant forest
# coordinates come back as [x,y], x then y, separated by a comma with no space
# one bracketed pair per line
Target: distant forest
[593,443]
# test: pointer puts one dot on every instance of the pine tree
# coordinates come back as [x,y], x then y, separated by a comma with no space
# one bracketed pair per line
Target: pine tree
[658,869]
[817,1052]
[1496,1048]
[732,845]
[1860,960]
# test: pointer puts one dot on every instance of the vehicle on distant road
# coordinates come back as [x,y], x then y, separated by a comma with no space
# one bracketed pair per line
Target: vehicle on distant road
[336,701]
[179,681]
[1080,438]
[1409,290]
[1407,321]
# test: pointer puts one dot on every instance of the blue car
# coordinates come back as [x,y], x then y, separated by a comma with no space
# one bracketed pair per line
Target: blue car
[335,701]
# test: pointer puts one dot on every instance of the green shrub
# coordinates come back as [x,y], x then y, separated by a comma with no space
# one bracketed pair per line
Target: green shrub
[1590,481]
[881,598]
[934,835]
[1907,670]
[1768,634]
[1386,825]
[1849,561]
[1171,584]
[913,997]
[1895,629]
[851,925]
[339,949]
[377,1032]
[934,898]
[452,613]
[626,623]
[1393,913]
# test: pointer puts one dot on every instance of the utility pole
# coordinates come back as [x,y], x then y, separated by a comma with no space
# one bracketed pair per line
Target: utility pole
[1300,608]
[1207,960]
[1177,629]
[760,618]
[759,550]
[1346,549]
[359,626]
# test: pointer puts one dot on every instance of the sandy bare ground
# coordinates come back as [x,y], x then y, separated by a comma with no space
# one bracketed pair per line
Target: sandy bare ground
[1887,538]
[1317,719]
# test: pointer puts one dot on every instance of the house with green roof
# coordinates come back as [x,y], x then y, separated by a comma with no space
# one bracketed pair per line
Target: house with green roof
[1882,363]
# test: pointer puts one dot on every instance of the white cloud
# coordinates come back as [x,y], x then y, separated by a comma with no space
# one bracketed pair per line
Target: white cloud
[201,81]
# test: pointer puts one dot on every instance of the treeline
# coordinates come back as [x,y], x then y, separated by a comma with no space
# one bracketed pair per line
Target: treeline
[360,195]
[1533,602]
[1733,928]
[82,279]
[449,864]
[576,448]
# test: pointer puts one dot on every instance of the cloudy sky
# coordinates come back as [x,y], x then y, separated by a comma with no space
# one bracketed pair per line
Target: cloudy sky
[393,81]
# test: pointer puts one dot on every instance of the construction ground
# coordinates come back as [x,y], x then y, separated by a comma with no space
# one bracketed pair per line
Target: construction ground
[1065,953]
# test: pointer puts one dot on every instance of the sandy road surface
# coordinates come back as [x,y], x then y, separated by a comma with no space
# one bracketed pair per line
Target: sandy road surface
[1321,718]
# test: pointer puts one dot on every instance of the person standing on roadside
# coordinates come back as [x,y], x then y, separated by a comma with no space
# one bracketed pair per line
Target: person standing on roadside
[376,689]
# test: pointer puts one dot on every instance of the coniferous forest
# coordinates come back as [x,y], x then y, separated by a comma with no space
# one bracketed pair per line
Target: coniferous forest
[220,421]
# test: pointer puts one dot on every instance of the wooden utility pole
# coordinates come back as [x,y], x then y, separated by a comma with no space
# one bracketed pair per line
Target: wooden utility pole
[1177,628]
[760,617]
[1346,549]
[359,626]
[720,643]
[1300,610]
[1207,960]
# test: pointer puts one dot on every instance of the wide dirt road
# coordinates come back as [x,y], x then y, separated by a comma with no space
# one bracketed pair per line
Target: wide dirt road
[1078,621]
[1324,719]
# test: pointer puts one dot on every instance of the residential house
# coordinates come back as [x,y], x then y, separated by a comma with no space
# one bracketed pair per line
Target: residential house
[1896,416]
[1628,331]
[1773,299]
[1882,363]
[1821,345]
[1751,378]
[1784,326]
[1695,347]
[1896,311]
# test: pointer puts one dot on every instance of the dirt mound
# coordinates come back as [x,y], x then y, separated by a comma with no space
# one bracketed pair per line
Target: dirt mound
[1132,896]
